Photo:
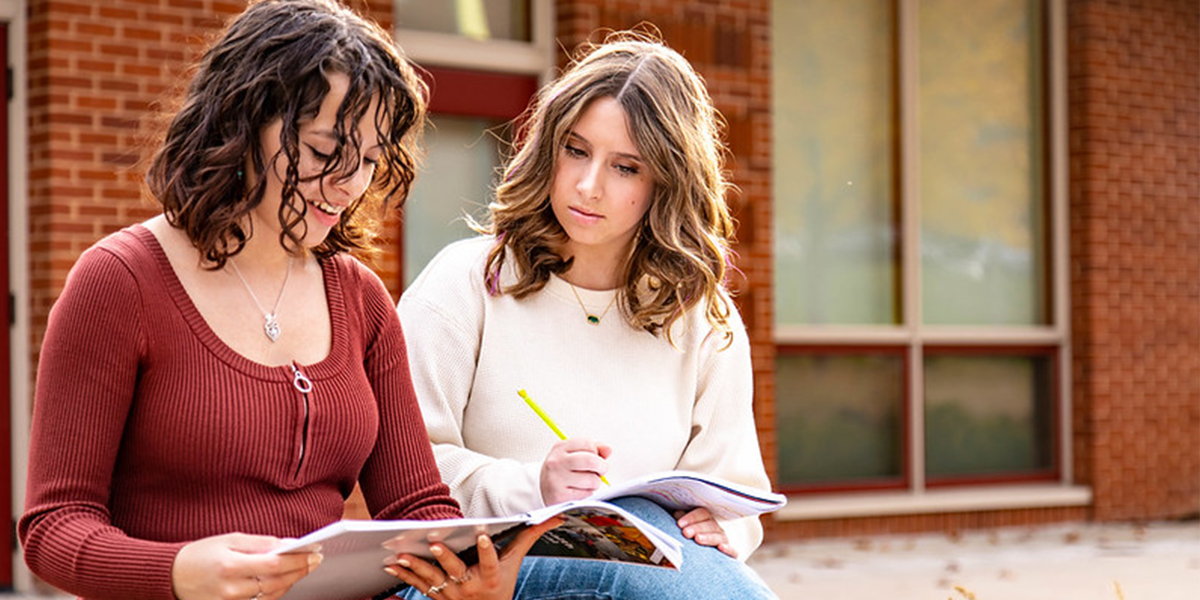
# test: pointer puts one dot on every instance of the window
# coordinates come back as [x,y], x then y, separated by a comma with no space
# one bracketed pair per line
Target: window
[473,19]
[460,160]
[988,413]
[482,60]
[844,418]
[511,36]
[921,326]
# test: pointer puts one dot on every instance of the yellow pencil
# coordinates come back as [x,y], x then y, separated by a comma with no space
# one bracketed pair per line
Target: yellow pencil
[546,419]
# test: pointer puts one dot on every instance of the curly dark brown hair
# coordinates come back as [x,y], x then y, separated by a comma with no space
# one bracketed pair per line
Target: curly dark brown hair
[273,62]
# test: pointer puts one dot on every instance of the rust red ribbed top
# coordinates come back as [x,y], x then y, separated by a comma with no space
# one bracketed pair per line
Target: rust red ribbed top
[149,432]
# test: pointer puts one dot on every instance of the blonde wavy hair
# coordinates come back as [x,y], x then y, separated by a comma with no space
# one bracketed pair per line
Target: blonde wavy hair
[682,247]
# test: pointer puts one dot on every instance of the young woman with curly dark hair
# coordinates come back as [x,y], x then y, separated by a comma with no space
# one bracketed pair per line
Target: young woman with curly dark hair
[221,376]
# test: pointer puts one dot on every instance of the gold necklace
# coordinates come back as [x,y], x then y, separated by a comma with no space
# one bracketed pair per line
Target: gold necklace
[592,319]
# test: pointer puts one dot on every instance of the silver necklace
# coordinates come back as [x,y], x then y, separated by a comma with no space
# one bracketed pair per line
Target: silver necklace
[270,324]
[591,319]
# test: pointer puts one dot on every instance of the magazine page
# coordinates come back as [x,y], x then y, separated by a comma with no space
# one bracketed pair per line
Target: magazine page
[683,490]
[355,552]
[603,531]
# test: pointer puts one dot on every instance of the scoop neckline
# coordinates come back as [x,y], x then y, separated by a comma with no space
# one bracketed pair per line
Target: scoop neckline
[326,367]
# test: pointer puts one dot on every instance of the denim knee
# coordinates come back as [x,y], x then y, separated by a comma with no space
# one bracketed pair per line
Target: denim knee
[705,573]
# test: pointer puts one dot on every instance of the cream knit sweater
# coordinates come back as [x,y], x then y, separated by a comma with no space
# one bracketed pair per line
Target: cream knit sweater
[659,407]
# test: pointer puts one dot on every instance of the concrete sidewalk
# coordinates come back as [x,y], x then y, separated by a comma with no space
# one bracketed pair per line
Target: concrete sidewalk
[1157,561]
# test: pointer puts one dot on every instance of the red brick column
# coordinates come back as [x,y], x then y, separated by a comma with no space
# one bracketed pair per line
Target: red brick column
[1134,94]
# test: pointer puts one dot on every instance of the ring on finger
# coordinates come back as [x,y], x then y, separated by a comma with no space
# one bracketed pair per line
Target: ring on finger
[461,580]
[258,582]
[437,589]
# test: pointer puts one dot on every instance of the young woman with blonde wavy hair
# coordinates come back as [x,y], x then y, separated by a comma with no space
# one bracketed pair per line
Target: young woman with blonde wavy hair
[598,286]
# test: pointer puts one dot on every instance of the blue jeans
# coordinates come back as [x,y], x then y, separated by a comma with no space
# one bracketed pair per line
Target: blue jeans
[707,572]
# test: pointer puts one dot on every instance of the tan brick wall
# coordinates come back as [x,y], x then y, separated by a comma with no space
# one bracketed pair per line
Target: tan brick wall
[1134,90]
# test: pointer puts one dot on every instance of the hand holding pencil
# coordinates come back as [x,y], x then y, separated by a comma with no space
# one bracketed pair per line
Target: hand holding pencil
[574,467]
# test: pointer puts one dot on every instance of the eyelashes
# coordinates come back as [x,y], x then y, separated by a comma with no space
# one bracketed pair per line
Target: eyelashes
[325,157]
[317,154]
[578,153]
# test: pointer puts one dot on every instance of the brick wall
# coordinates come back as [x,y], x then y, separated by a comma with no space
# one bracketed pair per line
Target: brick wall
[96,72]
[1134,87]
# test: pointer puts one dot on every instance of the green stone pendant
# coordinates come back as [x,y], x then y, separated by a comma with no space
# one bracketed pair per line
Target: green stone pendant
[593,319]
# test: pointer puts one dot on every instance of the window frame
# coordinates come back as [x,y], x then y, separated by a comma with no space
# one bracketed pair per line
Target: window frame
[901,481]
[456,67]
[1048,352]
[534,57]
[914,338]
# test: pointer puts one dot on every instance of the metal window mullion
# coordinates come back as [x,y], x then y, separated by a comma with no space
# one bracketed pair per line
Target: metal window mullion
[1056,29]
[910,227]
[543,36]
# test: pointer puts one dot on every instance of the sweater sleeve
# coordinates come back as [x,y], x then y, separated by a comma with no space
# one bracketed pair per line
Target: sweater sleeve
[86,382]
[725,440]
[443,312]
[400,479]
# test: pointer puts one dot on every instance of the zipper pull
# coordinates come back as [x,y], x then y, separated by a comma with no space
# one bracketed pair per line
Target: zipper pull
[300,381]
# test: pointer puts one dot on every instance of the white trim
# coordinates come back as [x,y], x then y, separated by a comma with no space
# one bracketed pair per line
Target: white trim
[992,336]
[427,48]
[997,497]
[21,400]
[839,335]
[1056,29]
[447,50]
[910,224]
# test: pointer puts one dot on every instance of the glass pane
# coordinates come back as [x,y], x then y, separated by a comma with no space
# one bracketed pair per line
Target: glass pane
[835,259]
[982,225]
[457,179]
[475,19]
[840,418]
[988,415]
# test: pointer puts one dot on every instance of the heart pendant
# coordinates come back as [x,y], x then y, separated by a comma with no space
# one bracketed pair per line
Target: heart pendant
[271,328]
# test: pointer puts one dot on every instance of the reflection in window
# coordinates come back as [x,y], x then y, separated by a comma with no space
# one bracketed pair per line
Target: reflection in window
[474,19]
[833,179]
[982,246]
[987,415]
[910,161]
[457,179]
[839,418]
